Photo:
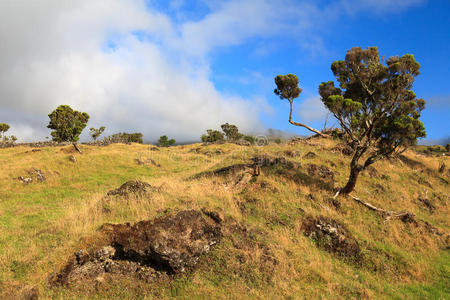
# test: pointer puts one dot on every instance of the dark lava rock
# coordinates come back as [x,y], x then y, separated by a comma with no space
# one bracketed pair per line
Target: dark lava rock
[342,148]
[320,171]
[309,155]
[132,187]
[147,250]
[292,153]
[332,236]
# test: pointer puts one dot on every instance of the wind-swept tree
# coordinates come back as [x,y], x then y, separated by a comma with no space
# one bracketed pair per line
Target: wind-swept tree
[287,88]
[67,124]
[95,133]
[375,106]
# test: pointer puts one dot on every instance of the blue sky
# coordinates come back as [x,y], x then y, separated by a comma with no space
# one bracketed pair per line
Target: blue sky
[423,30]
[179,67]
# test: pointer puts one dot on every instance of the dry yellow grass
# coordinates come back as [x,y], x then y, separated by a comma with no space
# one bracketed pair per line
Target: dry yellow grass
[42,224]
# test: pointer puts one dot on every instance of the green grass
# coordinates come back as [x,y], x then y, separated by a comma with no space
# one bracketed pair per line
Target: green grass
[42,224]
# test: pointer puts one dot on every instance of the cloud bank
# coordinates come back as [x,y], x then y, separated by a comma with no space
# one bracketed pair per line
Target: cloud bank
[132,67]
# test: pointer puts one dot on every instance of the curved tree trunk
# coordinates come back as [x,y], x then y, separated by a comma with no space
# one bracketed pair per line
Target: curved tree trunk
[350,186]
[304,125]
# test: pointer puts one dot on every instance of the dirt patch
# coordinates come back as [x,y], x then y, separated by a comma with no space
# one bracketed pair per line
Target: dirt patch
[132,187]
[332,236]
[152,249]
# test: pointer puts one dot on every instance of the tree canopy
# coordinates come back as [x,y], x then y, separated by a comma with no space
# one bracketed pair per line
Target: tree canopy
[67,124]
[375,105]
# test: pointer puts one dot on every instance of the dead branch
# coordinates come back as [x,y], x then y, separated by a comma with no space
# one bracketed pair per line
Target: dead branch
[388,214]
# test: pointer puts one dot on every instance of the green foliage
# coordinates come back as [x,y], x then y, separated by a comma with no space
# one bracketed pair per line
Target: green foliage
[447,147]
[95,133]
[3,128]
[231,132]
[67,124]
[287,87]
[165,142]
[374,103]
[250,139]
[212,136]
[126,138]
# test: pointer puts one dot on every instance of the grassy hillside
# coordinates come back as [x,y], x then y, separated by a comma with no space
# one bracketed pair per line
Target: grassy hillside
[43,223]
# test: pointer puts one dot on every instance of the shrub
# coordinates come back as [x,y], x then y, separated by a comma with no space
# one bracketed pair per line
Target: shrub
[250,139]
[212,136]
[124,138]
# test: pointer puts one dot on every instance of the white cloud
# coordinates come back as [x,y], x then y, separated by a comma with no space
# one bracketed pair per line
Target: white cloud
[56,54]
[312,109]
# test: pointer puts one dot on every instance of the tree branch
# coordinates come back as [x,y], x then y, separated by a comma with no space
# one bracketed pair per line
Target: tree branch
[304,125]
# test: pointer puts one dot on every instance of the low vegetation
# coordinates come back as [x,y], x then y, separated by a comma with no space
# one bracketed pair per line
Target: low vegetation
[283,235]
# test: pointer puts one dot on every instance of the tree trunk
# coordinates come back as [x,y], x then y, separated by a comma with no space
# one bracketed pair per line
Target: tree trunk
[350,186]
[76,148]
[304,125]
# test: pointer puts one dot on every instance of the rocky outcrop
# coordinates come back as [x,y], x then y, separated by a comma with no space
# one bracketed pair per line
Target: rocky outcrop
[150,249]
[332,236]
[132,187]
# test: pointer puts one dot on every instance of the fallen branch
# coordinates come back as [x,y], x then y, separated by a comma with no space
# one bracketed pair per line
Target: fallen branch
[407,217]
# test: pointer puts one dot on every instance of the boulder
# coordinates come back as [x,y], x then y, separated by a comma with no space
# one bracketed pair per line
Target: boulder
[148,250]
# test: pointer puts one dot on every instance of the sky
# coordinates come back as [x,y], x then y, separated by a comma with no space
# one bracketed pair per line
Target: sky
[179,67]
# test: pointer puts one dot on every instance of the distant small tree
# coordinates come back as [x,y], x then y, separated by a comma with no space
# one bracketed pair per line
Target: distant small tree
[287,88]
[250,139]
[374,105]
[165,142]
[212,136]
[95,133]
[3,128]
[67,124]
[231,132]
